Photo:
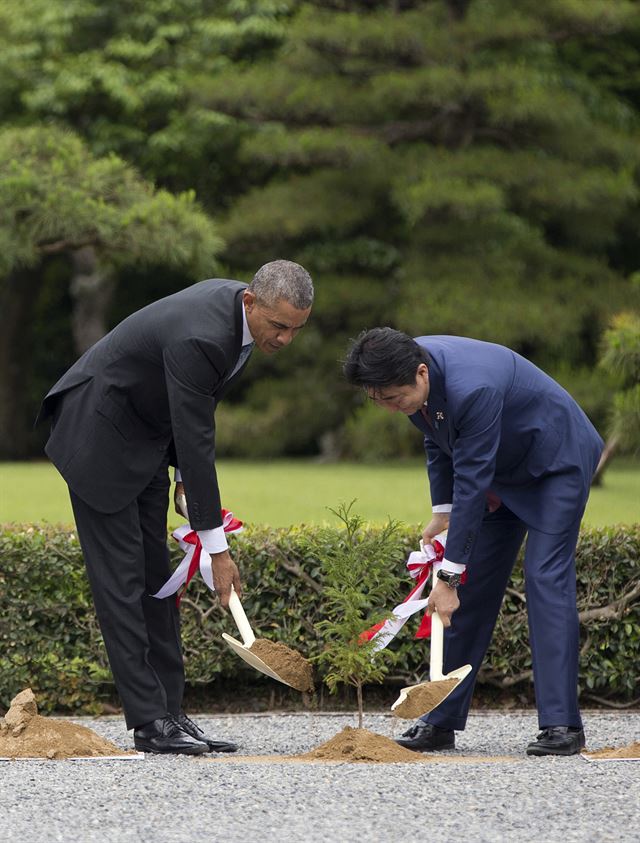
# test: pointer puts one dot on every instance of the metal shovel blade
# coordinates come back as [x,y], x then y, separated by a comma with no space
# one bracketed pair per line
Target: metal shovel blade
[416,700]
[245,653]
[244,649]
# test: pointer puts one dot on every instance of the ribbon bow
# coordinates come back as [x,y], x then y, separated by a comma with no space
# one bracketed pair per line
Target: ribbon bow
[195,557]
[419,565]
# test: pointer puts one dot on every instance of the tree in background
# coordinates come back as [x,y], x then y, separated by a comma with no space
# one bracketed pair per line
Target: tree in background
[621,358]
[123,75]
[57,199]
[439,166]
[443,168]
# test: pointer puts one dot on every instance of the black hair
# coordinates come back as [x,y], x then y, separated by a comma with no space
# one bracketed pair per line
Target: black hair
[383,357]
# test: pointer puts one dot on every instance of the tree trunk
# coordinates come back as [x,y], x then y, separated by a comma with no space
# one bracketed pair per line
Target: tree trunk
[360,706]
[458,8]
[17,294]
[610,448]
[91,290]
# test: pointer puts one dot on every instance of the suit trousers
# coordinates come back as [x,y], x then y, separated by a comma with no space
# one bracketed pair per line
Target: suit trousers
[550,585]
[127,560]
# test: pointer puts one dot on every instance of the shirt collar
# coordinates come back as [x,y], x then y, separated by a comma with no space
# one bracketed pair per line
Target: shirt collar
[247,339]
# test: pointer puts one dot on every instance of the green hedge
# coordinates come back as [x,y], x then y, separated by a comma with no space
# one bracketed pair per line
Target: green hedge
[49,638]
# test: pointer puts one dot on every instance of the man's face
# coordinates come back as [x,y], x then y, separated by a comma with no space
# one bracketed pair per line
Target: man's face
[406,399]
[274,327]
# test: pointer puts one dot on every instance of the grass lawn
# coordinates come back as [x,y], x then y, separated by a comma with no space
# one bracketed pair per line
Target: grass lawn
[281,493]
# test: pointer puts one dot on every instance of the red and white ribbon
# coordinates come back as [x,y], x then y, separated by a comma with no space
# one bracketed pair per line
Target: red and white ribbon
[195,557]
[419,565]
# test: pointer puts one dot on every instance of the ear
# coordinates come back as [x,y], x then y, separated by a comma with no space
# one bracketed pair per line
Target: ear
[249,300]
[422,374]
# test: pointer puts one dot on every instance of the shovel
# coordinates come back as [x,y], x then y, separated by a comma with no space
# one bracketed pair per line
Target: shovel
[427,695]
[243,649]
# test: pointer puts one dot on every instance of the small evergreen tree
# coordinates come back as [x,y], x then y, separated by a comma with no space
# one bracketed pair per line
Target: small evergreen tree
[358,578]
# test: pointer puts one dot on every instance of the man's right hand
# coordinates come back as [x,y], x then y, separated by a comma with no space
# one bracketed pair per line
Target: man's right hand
[225,574]
[439,522]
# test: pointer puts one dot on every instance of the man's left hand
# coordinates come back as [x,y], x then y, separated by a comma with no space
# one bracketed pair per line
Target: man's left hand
[444,601]
[179,498]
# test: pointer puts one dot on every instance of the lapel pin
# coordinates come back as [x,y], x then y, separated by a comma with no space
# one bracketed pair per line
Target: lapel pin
[439,415]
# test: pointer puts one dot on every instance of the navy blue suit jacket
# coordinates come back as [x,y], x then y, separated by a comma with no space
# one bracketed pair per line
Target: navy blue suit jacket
[500,424]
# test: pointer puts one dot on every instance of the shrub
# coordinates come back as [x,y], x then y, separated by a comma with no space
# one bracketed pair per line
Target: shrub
[49,638]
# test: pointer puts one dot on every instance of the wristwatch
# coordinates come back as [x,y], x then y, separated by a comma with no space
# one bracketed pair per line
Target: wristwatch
[452,580]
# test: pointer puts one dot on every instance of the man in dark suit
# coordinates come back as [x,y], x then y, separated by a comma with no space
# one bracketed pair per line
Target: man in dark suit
[509,453]
[140,399]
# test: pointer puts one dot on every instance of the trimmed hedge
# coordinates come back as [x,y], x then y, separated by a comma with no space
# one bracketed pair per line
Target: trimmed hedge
[49,637]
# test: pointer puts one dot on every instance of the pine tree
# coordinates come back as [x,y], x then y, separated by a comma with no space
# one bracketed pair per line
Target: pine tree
[56,198]
[444,168]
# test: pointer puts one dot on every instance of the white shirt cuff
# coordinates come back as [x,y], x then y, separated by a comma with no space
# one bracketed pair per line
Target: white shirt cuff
[177,476]
[213,541]
[449,567]
[442,507]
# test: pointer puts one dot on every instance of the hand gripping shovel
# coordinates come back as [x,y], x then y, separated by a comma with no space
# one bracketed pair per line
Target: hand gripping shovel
[243,649]
[248,638]
[416,700]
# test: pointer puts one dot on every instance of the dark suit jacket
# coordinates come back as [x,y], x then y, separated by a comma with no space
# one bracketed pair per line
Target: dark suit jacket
[153,382]
[500,424]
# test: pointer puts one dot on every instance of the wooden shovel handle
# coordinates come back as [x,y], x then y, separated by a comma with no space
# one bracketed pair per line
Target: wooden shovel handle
[437,641]
[239,616]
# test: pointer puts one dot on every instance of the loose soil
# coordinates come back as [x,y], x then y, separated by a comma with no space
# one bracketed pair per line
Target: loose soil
[360,746]
[25,734]
[287,663]
[423,698]
[631,751]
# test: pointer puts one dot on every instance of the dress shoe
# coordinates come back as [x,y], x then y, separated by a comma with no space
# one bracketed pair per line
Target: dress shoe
[557,740]
[423,737]
[165,735]
[187,725]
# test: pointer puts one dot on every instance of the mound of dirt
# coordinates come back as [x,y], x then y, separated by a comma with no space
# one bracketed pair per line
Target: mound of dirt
[25,734]
[423,698]
[287,663]
[631,751]
[362,745]
[356,746]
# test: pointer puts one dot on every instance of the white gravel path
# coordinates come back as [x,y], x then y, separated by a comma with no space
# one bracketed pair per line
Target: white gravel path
[170,799]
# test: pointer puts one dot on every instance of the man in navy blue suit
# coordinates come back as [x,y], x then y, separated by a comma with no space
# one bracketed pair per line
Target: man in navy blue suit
[509,454]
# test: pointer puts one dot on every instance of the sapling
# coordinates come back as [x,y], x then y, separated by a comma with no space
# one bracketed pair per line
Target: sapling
[358,578]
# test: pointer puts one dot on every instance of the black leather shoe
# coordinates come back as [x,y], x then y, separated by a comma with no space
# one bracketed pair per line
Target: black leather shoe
[557,740]
[423,737]
[196,732]
[165,735]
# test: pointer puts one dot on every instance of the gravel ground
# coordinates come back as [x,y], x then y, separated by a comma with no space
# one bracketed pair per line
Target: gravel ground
[173,799]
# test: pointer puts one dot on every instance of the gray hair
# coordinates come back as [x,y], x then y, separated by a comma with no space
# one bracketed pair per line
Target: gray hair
[283,280]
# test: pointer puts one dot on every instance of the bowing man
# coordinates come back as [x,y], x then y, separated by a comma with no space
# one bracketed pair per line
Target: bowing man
[509,454]
[140,399]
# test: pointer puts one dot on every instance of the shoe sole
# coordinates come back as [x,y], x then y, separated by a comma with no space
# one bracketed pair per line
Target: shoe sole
[538,753]
[195,750]
[441,748]
[222,749]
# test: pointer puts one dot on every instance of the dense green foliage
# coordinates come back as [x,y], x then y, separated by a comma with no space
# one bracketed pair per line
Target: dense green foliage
[440,166]
[621,357]
[49,638]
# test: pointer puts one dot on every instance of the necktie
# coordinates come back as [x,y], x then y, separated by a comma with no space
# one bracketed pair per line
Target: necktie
[245,351]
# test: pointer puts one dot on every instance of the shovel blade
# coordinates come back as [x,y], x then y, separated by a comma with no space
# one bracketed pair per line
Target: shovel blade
[250,658]
[416,700]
